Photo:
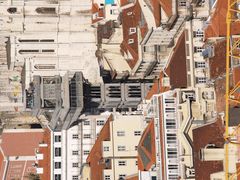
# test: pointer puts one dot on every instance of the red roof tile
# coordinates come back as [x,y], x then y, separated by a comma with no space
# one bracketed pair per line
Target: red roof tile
[167,6]
[177,69]
[217,26]
[131,21]
[19,170]
[217,64]
[95,155]
[25,141]
[135,177]
[156,12]
[148,137]
[46,151]
[96,9]
[213,134]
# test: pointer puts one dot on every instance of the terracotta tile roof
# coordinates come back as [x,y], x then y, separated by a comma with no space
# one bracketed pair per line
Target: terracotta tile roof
[157,87]
[177,70]
[238,171]
[167,6]
[146,148]
[217,26]
[96,9]
[105,31]
[2,164]
[156,12]
[25,141]
[217,64]
[219,87]
[95,155]
[135,177]
[213,134]
[46,151]
[19,170]
[131,21]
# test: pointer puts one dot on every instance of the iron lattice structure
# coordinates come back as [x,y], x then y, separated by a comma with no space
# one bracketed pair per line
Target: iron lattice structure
[232,89]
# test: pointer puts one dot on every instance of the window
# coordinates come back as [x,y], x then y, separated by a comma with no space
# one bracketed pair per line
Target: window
[121,148]
[172,152]
[198,33]
[75,136]
[74,164]
[198,49]
[107,177]
[28,40]
[57,152]
[120,133]
[136,163]
[86,123]
[12,10]
[172,166]
[57,176]
[57,138]
[200,64]
[169,101]
[182,3]
[129,13]
[122,163]
[28,51]
[74,152]
[130,41]
[57,165]
[86,136]
[170,124]
[137,133]
[86,152]
[46,10]
[170,110]
[75,178]
[48,50]
[105,148]
[132,30]
[201,80]
[136,148]
[122,176]
[100,123]
[171,139]
[47,40]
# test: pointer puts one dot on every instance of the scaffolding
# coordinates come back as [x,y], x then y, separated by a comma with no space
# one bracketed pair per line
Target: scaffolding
[233,42]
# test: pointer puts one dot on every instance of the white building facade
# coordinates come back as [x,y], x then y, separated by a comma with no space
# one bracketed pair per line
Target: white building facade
[70,148]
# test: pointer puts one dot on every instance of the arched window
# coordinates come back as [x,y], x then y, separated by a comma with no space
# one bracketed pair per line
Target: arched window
[46,10]
[12,10]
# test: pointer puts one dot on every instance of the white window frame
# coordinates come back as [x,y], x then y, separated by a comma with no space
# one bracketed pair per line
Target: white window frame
[122,163]
[106,148]
[86,136]
[201,80]
[86,123]
[137,133]
[130,41]
[75,136]
[107,177]
[121,148]
[75,165]
[74,153]
[132,30]
[75,177]
[86,152]
[120,133]
[100,122]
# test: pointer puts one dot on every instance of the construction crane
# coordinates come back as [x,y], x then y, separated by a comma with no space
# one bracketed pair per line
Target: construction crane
[232,43]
